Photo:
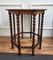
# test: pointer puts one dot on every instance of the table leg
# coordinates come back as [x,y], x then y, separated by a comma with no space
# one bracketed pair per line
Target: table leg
[39,29]
[18,31]
[14,27]
[31,28]
[22,25]
[11,30]
[42,17]
[33,39]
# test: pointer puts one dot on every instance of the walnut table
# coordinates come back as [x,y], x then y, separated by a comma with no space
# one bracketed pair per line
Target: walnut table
[14,15]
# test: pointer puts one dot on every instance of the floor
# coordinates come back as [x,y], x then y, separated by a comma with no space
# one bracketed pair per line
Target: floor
[47,46]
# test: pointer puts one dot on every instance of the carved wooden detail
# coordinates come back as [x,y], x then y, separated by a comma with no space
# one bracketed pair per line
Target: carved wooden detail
[22,25]
[14,14]
[41,29]
[11,30]
[38,28]
[18,35]
[14,27]
[33,40]
[31,28]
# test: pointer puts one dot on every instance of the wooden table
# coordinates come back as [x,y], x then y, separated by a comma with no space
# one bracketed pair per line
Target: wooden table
[14,15]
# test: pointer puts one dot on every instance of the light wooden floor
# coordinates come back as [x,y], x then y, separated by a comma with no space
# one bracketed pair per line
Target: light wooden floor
[47,46]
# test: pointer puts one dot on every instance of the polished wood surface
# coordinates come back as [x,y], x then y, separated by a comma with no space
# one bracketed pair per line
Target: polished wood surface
[26,11]
[47,46]
[17,13]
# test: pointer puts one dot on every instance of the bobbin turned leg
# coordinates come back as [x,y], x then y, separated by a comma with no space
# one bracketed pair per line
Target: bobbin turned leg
[39,29]
[18,31]
[22,25]
[33,37]
[42,17]
[31,28]
[11,30]
[14,27]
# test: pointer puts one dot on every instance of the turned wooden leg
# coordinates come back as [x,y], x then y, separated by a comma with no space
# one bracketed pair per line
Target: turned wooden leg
[14,27]
[11,30]
[42,17]
[39,29]
[31,28]
[33,37]
[18,31]
[22,25]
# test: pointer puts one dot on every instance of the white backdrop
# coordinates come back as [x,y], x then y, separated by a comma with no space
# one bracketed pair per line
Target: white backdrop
[48,20]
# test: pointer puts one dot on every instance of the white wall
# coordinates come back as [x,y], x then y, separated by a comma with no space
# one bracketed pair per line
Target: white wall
[48,17]
[48,20]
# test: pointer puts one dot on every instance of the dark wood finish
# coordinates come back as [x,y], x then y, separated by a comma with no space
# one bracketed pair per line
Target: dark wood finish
[28,33]
[38,28]
[26,11]
[41,30]
[26,47]
[33,40]
[18,30]
[31,28]
[11,30]
[33,12]
[22,25]
[14,27]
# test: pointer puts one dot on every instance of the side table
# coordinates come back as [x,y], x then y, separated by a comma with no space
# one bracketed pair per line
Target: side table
[14,15]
